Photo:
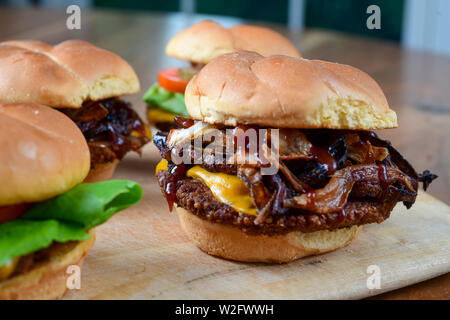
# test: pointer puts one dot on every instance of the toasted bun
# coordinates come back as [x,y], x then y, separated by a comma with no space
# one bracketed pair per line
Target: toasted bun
[43,153]
[47,280]
[64,75]
[279,91]
[207,40]
[231,243]
[102,172]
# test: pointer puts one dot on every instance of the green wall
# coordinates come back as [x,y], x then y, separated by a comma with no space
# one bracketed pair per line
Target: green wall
[343,15]
[263,10]
[350,16]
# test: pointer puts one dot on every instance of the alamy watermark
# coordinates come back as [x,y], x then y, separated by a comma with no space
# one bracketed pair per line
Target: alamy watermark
[374,280]
[73,281]
[73,21]
[251,147]
[374,20]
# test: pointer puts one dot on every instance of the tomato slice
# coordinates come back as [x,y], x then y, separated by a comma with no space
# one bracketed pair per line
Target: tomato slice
[8,213]
[170,80]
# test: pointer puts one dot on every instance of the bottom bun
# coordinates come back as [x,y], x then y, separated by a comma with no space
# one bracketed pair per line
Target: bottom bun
[102,172]
[231,243]
[47,280]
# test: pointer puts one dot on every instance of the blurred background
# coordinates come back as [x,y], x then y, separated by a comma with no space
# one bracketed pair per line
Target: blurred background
[417,24]
[409,56]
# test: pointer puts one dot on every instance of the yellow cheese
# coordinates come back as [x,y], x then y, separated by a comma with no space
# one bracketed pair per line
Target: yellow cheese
[7,269]
[155,115]
[138,134]
[227,188]
[162,165]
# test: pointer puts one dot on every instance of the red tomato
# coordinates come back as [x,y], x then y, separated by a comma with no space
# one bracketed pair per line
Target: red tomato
[170,80]
[9,213]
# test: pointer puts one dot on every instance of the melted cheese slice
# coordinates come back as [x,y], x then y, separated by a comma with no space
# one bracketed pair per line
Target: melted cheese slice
[147,133]
[155,115]
[162,165]
[227,188]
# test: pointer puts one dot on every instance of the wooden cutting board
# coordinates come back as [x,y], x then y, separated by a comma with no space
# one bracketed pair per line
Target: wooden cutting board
[142,253]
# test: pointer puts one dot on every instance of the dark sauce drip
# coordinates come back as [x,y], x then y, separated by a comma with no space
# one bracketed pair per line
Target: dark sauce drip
[366,134]
[322,156]
[184,122]
[170,186]
[359,145]
[341,215]
[160,140]
[382,176]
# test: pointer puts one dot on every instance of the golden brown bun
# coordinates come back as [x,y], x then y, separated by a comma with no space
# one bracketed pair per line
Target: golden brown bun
[47,280]
[207,40]
[64,75]
[43,153]
[231,243]
[102,172]
[279,91]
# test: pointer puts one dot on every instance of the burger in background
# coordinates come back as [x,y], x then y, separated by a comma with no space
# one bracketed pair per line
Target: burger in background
[47,217]
[199,44]
[333,174]
[84,82]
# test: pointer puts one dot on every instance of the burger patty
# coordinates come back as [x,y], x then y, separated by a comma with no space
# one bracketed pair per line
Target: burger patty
[326,180]
[32,260]
[111,127]
[198,199]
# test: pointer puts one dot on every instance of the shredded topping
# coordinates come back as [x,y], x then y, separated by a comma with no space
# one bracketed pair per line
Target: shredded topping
[319,171]
[111,128]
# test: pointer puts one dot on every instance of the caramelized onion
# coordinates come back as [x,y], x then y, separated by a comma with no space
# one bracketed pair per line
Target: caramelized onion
[334,195]
[293,144]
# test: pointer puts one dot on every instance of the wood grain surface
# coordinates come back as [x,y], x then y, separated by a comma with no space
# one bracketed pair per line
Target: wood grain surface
[142,253]
[415,83]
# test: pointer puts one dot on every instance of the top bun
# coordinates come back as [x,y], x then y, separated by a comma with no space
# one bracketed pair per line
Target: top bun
[207,40]
[65,75]
[279,91]
[43,153]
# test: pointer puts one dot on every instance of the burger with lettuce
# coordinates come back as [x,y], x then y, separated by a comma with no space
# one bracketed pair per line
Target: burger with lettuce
[198,45]
[47,215]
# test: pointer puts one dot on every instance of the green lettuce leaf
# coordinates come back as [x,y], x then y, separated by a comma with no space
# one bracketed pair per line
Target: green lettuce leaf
[88,204]
[166,100]
[66,217]
[21,237]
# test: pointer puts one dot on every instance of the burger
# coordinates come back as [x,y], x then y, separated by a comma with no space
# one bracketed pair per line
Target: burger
[332,174]
[47,216]
[84,82]
[199,44]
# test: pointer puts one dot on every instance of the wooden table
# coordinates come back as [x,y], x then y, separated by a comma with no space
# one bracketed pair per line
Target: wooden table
[417,84]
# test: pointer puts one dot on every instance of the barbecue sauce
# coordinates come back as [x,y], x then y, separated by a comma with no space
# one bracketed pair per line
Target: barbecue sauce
[322,156]
[184,122]
[170,185]
[382,176]
[112,122]
[341,215]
